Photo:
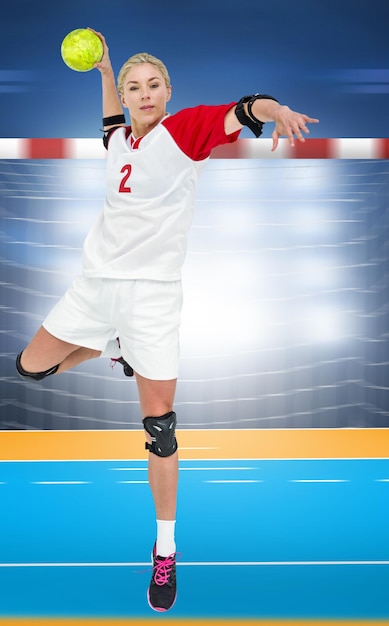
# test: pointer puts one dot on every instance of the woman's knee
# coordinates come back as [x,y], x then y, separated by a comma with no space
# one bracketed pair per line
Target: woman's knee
[34,375]
[161,431]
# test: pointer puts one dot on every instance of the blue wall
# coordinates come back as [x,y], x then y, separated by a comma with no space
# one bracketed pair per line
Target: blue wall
[328,58]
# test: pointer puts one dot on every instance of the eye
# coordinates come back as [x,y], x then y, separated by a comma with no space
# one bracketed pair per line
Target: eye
[154,85]
[133,88]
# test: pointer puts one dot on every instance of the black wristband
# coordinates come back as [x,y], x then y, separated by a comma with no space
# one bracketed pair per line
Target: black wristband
[114,119]
[253,123]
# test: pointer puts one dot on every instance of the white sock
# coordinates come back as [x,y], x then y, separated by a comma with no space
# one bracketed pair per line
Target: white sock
[165,537]
[112,350]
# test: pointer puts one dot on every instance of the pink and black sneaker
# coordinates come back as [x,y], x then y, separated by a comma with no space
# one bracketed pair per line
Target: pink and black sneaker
[162,592]
[127,369]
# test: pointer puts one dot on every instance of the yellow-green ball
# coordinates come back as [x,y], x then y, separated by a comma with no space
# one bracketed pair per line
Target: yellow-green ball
[81,49]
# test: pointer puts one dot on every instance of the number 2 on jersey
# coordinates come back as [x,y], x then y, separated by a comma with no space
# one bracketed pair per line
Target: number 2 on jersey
[123,188]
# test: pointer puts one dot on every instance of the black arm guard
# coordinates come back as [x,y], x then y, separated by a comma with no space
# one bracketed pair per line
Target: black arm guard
[255,125]
[107,135]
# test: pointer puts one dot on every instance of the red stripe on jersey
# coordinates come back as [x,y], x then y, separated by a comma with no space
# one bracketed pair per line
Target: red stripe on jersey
[135,142]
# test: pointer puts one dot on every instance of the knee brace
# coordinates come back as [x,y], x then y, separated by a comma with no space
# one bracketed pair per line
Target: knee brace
[35,375]
[162,432]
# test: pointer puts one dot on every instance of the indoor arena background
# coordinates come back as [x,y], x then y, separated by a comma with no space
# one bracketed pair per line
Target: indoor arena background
[285,313]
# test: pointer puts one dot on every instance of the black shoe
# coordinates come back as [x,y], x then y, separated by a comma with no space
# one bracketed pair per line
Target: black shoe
[127,369]
[162,592]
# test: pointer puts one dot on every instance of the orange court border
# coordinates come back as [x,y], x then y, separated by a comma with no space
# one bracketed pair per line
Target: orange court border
[88,445]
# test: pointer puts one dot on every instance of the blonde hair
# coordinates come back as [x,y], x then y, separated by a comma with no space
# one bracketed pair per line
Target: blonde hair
[136,59]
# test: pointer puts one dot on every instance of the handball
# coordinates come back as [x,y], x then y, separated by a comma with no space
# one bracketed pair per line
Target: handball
[81,49]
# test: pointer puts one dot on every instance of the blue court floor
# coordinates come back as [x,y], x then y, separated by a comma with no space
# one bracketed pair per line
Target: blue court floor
[258,539]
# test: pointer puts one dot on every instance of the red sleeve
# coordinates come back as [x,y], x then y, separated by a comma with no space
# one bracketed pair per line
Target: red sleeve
[198,130]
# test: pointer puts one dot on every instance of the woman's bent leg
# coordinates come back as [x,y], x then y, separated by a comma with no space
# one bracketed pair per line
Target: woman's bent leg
[46,351]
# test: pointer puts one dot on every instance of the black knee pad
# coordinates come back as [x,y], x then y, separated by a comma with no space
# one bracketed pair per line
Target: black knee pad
[34,375]
[163,434]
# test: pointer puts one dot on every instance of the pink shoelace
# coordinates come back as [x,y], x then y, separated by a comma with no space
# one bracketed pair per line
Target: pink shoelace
[162,569]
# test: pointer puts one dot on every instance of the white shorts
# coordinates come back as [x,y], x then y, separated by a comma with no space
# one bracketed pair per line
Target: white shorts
[144,314]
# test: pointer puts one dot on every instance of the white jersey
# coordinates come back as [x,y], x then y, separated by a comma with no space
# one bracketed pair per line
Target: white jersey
[141,232]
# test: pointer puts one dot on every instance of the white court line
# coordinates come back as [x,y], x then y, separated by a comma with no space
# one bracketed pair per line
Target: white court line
[232,481]
[128,469]
[200,448]
[319,480]
[201,564]
[133,482]
[382,480]
[60,482]
[210,469]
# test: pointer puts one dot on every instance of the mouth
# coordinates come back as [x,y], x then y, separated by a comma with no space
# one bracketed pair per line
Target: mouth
[147,107]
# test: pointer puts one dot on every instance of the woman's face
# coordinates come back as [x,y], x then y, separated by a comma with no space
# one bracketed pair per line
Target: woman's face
[145,94]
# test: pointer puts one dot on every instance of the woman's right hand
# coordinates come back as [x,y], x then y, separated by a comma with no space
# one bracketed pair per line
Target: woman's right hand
[105,64]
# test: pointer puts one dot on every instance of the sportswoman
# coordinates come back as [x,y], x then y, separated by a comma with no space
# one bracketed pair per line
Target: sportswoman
[132,260]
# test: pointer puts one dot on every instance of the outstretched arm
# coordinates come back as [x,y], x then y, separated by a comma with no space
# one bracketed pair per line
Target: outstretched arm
[287,122]
[110,98]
